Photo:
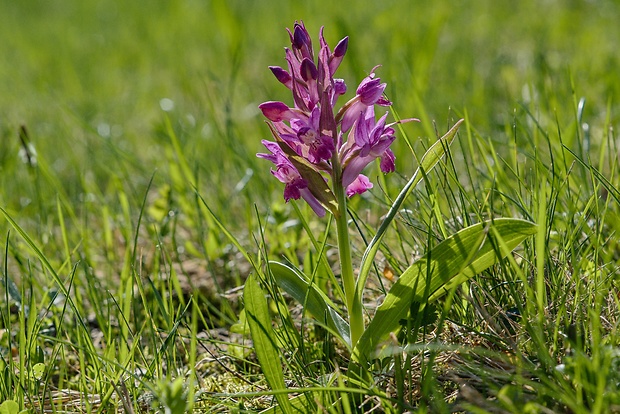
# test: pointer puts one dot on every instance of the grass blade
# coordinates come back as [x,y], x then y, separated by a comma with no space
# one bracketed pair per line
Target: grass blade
[263,336]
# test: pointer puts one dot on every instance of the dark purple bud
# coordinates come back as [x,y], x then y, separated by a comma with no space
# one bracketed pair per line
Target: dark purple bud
[341,47]
[338,55]
[302,43]
[301,37]
[280,74]
[308,70]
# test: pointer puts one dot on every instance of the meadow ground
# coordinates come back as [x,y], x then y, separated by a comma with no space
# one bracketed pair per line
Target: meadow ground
[128,132]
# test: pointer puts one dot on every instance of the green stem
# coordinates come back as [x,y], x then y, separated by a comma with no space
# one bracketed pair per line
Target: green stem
[353,301]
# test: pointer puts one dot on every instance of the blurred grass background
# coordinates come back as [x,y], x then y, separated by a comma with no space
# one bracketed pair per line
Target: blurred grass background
[87,78]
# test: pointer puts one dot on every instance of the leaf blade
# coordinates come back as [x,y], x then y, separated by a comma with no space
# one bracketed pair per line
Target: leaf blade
[263,336]
[445,266]
[314,300]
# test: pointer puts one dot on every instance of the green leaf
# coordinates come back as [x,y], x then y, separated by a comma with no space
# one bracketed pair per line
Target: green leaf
[451,262]
[314,300]
[263,336]
[430,158]
[9,407]
[38,371]
[316,182]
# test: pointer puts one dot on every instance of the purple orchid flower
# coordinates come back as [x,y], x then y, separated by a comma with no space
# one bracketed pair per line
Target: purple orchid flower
[369,93]
[315,136]
[368,140]
[316,147]
[295,186]
[303,134]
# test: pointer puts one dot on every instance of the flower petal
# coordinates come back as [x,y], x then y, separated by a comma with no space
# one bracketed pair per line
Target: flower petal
[351,115]
[313,202]
[276,111]
[354,168]
[387,161]
[359,185]
[282,75]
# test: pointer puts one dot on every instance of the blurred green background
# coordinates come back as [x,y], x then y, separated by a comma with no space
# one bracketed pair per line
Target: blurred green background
[87,78]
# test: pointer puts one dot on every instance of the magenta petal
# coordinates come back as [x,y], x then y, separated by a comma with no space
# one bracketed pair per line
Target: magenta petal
[379,132]
[359,185]
[308,70]
[340,88]
[275,111]
[372,91]
[341,47]
[283,76]
[312,202]
[364,82]
[383,102]
[363,128]
[271,146]
[354,168]
[387,161]
[351,115]
[379,148]
[293,188]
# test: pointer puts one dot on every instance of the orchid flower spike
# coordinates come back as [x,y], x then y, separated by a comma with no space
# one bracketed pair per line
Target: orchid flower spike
[309,144]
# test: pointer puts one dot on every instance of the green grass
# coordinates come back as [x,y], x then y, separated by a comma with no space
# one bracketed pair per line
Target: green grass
[121,290]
